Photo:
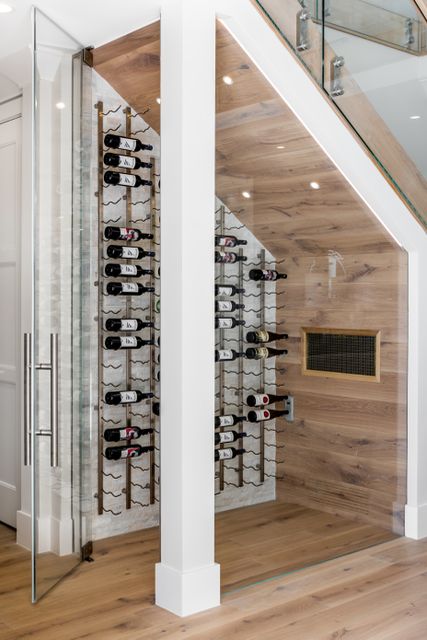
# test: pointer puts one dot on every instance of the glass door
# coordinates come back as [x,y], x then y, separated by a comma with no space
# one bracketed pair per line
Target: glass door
[55,424]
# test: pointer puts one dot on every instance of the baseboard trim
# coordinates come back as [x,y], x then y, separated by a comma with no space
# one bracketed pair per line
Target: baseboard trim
[185,593]
[23,529]
[416,521]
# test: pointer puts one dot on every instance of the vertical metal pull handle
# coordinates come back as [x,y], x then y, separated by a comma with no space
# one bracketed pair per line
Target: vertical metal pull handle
[54,445]
[27,398]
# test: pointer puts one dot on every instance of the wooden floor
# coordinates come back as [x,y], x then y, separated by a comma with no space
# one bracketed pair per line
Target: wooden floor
[376,594]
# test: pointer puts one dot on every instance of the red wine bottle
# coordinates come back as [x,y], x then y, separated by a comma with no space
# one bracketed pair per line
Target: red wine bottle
[228,257]
[266,274]
[127,144]
[265,414]
[126,451]
[126,397]
[228,421]
[126,324]
[126,342]
[263,336]
[127,289]
[227,305]
[227,354]
[126,233]
[228,241]
[262,399]
[227,290]
[260,353]
[126,270]
[228,323]
[125,162]
[228,436]
[228,454]
[125,179]
[130,253]
[125,433]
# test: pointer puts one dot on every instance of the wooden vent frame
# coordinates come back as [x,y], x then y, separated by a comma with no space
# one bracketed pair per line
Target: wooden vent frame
[338,374]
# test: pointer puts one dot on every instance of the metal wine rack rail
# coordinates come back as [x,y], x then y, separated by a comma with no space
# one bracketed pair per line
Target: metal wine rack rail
[126,371]
[240,380]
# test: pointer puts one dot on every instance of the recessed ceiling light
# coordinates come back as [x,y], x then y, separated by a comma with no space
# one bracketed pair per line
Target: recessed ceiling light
[246,194]
[314,185]
[5,8]
[158,100]
[227,80]
[60,105]
[415,117]
[280,146]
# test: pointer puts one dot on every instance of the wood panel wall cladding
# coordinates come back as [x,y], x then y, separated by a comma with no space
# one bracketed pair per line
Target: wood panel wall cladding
[346,451]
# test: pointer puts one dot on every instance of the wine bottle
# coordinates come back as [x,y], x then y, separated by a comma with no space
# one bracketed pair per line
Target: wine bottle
[228,420]
[266,274]
[156,408]
[127,289]
[265,414]
[228,436]
[127,270]
[126,342]
[125,162]
[262,336]
[126,451]
[228,323]
[260,353]
[127,144]
[125,179]
[227,354]
[125,433]
[228,241]
[130,253]
[126,233]
[227,290]
[228,454]
[126,397]
[262,399]
[126,324]
[227,305]
[228,257]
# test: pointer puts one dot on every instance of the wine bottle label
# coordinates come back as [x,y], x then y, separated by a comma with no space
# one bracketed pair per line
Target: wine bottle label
[128,270]
[127,180]
[128,234]
[224,305]
[227,257]
[225,323]
[262,335]
[263,414]
[130,287]
[269,274]
[128,433]
[129,452]
[261,399]
[128,396]
[129,325]
[130,252]
[227,436]
[128,342]
[127,143]
[226,241]
[225,354]
[127,162]
[225,291]
[225,454]
[226,421]
[262,352]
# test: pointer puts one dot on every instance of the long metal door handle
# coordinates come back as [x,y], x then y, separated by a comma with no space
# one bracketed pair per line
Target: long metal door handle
[27,398]
[54,444]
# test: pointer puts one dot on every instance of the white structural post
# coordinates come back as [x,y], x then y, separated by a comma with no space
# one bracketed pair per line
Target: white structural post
[187,578]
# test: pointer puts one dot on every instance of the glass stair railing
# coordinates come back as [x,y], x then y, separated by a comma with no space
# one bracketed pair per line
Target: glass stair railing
[370,57]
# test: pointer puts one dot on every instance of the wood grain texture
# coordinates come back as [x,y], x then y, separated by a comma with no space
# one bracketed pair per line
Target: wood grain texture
[376,594]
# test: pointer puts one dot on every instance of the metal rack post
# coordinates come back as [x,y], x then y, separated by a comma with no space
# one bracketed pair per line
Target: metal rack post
[100,122]
[262,371]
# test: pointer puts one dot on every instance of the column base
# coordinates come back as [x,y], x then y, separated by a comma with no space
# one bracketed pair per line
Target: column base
[185,593]
[416,522]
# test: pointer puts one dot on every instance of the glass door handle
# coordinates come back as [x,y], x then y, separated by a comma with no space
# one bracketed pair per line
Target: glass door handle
[27,398]
[54,445]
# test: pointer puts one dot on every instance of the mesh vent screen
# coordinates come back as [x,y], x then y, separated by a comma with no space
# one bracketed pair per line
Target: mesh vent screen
[353,354]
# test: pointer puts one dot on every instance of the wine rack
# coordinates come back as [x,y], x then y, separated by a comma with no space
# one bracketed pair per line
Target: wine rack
[132,482]
[242,376]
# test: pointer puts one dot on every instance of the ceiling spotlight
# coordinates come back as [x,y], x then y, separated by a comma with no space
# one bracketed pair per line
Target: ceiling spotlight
[5,8]
[158,100]
[60,105]
[314,185]
[280,146]
[246,194]
[414,117]
[227,80]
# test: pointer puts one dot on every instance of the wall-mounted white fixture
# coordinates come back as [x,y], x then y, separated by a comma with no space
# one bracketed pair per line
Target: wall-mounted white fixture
[227,80]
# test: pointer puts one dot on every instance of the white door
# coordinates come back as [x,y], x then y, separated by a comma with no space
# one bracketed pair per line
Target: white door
[10,217]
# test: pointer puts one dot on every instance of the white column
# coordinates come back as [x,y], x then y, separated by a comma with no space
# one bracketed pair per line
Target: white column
[187,579]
